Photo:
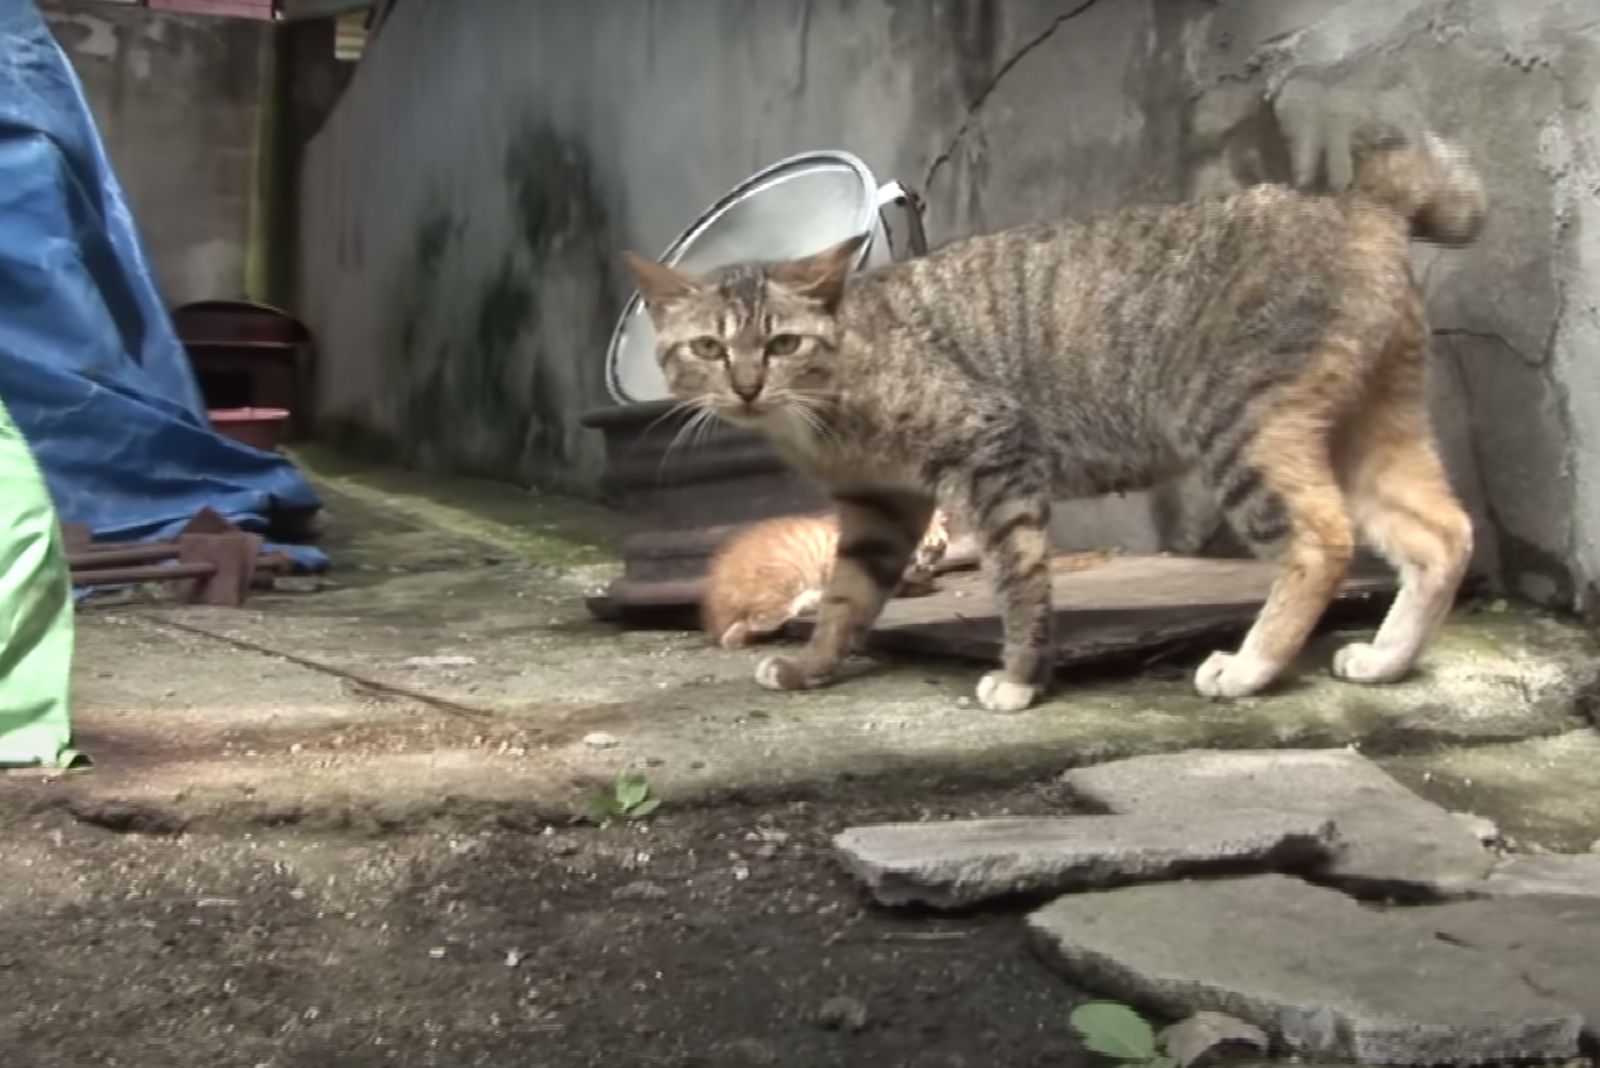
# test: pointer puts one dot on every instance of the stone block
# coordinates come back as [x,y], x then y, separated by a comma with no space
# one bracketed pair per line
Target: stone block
[1390,840]
[1552,944]
[1325,975]
[954,863]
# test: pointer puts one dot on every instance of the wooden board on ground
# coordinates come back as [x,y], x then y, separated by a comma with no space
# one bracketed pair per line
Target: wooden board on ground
[1107,608]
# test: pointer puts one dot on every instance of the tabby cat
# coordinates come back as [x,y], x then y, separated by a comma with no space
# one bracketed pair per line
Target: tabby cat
[1275,339]
[772,571]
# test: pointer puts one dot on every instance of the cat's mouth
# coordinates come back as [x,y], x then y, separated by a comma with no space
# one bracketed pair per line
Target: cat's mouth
[747,412]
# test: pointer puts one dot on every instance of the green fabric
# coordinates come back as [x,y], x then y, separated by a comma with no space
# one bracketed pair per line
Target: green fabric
[35,614]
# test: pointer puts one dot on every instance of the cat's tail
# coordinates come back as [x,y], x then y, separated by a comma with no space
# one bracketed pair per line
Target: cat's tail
[1427,180]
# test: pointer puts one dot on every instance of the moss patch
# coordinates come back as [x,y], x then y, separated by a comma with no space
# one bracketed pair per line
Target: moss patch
[542,528]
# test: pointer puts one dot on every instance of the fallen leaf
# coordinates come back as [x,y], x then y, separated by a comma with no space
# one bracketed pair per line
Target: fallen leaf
[1114,1031]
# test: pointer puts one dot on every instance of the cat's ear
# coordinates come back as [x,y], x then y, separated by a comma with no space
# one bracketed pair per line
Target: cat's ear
[821,277]
[658,284]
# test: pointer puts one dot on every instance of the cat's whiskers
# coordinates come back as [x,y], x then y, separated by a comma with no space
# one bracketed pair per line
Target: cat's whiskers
[811,410]
[677,408]
[706,423]
[691,432]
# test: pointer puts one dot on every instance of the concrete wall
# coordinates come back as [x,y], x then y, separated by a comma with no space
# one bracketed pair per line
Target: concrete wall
[177,99]
[464,205]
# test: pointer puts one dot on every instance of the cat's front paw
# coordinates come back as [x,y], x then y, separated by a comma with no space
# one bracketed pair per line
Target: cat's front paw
[780,673]
[1232,675]
[999,694]
[1365,662]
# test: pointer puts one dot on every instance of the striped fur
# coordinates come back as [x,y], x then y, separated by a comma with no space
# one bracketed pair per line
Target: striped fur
[1275,340]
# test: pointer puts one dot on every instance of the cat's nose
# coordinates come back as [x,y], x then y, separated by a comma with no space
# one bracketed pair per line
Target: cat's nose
[747,391]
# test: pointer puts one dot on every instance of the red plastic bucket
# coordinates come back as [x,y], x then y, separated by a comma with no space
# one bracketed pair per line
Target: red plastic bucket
[264,428]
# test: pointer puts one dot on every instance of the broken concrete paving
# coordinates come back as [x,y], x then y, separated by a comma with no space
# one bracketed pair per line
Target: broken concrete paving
[1327,976]
[1552,943]
[1330,812]
[1390,840]
[957,863]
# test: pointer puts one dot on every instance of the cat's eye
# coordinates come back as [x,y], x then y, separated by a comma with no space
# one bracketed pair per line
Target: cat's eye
[707,348]
[783,345]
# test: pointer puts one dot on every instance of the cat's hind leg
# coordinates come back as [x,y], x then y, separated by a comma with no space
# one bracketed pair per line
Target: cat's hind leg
[1403,506]
[1278,489]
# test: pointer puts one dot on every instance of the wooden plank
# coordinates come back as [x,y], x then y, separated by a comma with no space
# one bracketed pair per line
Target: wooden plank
[1106,609]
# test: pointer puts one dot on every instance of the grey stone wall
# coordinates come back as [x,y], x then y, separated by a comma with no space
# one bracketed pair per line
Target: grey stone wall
[464,205]
[177,100]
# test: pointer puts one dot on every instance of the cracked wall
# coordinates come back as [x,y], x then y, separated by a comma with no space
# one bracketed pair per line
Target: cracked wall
[1002,113]
[1514,317]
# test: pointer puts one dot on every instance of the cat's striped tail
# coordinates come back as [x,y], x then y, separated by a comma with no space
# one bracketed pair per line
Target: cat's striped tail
[1427,180]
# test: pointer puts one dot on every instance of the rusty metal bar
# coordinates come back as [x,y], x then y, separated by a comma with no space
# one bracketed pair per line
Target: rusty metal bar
[153,573]
[99,559]
[133,554]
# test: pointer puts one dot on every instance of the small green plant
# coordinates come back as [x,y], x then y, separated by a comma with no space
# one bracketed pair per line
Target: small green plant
[1117,1032]
[629,798]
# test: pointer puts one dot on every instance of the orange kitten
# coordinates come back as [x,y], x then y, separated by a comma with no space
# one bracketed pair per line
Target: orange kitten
[775,570]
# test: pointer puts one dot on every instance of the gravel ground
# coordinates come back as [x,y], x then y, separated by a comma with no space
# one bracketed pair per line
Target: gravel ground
[722,936]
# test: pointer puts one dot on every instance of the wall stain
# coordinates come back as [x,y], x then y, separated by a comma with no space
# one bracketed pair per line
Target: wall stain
[489,363]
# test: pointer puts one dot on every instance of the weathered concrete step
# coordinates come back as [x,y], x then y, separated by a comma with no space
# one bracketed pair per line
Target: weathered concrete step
[955,863]
[1327,976]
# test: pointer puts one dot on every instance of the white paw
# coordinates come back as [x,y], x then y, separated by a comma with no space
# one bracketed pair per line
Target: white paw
[1232,675]
[771,672]
[780,673]
[999,694]
[1365,662]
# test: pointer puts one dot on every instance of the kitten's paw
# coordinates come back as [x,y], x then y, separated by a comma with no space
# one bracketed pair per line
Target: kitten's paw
[737,636]
[1365,662]
[779,673]
[1232,675]
[999,694]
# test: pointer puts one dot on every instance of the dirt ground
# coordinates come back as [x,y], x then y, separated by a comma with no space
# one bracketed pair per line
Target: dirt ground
[709,938]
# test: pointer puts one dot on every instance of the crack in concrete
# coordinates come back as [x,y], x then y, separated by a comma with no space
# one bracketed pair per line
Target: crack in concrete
[1488,335]
[443,704]
[976,105]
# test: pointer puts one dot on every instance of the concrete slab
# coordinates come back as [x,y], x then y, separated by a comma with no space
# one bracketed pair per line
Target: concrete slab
[957,863]
[1542,794]
[1553,943]
[1390,840]
[1325,975]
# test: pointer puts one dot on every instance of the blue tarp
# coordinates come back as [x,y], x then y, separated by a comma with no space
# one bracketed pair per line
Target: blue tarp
[90,364]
